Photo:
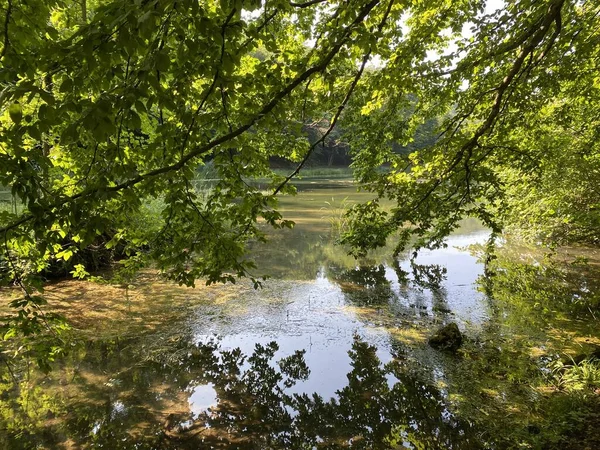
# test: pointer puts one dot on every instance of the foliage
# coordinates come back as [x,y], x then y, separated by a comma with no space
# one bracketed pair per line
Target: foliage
[94,126]
[577,376]
[556,200]
[518,140]
[108,105]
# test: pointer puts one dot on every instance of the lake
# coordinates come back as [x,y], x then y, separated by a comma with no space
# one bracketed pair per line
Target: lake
[331,353]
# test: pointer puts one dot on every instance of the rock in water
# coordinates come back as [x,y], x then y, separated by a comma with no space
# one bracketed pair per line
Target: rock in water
[448,337]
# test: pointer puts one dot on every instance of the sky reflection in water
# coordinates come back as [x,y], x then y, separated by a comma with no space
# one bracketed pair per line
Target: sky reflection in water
[353,385]
[318,315]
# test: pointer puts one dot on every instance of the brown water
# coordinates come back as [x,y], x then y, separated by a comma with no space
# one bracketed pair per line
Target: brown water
[331,353]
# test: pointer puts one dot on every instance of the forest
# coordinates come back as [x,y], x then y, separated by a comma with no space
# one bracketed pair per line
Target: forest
[179,144]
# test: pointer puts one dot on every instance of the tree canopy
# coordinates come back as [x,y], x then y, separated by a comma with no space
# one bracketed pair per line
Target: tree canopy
[109,105]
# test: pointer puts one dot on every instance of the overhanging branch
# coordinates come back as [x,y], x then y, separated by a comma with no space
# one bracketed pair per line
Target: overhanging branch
[535,38]
[307,4]
[204,149]
[341,107]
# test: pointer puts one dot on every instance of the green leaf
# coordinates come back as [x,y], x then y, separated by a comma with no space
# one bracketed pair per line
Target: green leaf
[65,254]
[136,121]
[34,132]
[16,113]
[140,107]
[162,61]
[66,86]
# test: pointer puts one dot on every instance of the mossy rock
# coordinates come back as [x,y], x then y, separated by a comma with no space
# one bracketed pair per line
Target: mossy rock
[447,338]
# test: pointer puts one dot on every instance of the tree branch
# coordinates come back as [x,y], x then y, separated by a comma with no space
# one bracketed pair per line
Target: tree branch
[307,4]
[552,15]
[203,149]
[339,110]
[212,85]
[6,21]
[536,37]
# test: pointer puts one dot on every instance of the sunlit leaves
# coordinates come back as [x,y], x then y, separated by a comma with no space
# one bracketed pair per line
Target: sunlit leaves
[107,110]
[492,96]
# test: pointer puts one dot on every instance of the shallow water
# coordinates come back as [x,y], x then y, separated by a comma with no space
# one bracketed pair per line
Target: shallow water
[331,353]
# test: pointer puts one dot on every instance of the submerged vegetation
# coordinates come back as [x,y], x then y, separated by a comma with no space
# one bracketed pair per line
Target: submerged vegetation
[535,362]
[145,365]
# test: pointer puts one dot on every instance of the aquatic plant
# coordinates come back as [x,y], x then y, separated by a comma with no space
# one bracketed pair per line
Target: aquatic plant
[574,376]
[337,215]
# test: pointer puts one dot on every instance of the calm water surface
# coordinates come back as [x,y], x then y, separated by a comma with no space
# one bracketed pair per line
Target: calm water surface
[331,353]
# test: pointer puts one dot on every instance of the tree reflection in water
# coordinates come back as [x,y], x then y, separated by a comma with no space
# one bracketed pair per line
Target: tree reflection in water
[363,285]
[147,405]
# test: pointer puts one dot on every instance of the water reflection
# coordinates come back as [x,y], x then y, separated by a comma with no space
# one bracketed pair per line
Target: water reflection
[362,286]
[190,395]
[437,281]
[332,353]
